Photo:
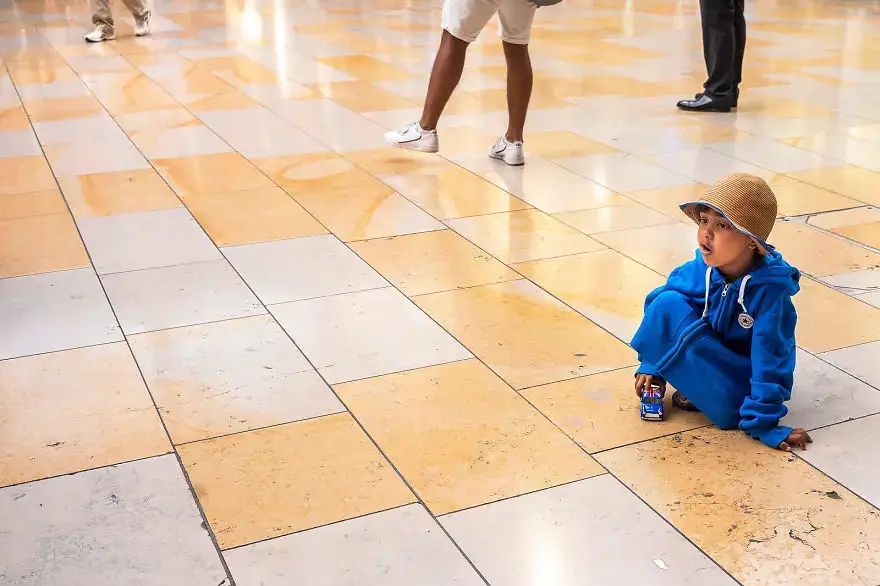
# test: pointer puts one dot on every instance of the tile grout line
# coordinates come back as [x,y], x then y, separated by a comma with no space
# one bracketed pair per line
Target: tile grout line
[92,469]
[449,536]
[837,482]
[195,500]
[444,330]
[542,414]
[360,425]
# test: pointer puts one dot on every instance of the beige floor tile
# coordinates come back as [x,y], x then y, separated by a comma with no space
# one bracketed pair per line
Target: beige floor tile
[838,451]
[523,236]
[25,205]
[366,68]
[525,335]
[28,74]
[69,411]
[391,161]
[171,117]
[13,119]
[124,192]
[496,100]
[668,199]
[552,144]
[765,516]
[315,172]
[861,225]
[229,376]
[465,140]
[820,254]
[245,217]
[25,175]
[349,337]
[829,320]
[660,248]
[432,262]
[601,411]
[210,174]
[449,191]
[545,185]
[461,437]
[853,182]
[62,108]
[275,481]
[796,198]
[373,211]
[605,286]
[615,218]
[362,96]
[40,244]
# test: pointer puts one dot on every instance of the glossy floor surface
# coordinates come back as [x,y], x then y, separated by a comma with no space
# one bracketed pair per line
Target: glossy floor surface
[243,342]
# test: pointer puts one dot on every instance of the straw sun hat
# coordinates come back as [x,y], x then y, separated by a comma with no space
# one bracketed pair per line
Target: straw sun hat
[746,201]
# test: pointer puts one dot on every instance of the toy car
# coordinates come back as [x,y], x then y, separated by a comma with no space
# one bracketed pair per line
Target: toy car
[652,404]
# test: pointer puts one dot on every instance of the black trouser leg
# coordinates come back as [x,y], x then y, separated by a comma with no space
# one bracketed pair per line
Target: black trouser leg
[720,47]
[740,34]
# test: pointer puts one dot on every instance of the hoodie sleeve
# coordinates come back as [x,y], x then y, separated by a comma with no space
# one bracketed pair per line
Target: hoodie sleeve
[680,279]
[773,359]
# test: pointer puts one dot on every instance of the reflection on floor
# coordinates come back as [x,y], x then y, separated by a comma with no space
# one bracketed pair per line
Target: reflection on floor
[243,342]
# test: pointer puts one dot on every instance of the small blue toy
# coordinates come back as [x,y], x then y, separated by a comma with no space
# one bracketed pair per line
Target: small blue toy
[652,404]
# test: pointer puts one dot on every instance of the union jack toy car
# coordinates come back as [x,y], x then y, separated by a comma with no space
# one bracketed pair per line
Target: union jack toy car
[652,404]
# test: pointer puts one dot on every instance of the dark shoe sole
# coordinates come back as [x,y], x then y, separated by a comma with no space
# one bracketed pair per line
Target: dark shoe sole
[706,109]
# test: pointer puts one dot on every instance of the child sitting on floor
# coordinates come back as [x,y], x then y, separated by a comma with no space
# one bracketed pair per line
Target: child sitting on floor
[721,330]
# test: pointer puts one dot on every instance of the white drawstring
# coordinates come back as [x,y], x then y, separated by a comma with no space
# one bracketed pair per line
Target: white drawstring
[740,299]
[742,293]
[708,278]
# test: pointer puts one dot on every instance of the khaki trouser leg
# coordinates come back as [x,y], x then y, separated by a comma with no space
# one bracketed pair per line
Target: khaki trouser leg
[137,7]
[101,14]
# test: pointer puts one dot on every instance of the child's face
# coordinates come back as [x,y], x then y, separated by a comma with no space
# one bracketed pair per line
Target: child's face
[722,245]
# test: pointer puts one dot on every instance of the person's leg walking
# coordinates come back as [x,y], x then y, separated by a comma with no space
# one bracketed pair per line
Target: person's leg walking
[516,18]
[102,18]
[138,9]
[445,75]
[462,22]
[519,89]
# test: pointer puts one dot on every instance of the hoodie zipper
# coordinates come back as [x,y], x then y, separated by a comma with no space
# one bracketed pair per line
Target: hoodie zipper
[726,287]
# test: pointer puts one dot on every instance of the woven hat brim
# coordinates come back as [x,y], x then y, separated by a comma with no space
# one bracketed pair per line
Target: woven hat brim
[689,208]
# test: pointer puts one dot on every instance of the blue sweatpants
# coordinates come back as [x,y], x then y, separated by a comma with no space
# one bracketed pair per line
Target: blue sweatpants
[680,346]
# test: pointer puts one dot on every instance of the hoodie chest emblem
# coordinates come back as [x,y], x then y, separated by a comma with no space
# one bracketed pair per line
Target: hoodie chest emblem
[746,321]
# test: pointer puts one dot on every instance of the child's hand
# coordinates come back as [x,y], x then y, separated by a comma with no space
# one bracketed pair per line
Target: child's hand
[644,381]
[797,438]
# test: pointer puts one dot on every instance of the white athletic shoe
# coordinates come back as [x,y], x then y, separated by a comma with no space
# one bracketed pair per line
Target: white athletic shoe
[142,24]
[101,33]
[415,138]
[511,153]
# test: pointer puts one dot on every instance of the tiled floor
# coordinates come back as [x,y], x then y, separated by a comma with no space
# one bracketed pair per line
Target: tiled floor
[242,342]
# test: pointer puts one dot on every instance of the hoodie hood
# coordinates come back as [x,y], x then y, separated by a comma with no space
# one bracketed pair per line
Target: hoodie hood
[773,270]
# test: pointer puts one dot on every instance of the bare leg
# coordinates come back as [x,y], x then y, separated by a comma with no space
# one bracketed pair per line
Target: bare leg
[519,89]
[448,66]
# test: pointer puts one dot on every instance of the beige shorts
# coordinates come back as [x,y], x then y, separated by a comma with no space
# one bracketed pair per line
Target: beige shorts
[465,19]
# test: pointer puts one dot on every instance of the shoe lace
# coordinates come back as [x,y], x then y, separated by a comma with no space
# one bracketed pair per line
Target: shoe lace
[408,127]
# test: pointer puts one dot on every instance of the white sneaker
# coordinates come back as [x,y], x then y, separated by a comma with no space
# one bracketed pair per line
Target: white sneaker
[511,153]
[101,33]
[415,138]
[142,25]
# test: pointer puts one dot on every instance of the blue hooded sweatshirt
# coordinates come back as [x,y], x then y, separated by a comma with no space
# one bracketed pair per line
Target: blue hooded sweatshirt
[736,360]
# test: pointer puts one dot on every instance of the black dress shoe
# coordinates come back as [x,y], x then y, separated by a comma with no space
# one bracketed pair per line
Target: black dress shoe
[703,103]
[735,98]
